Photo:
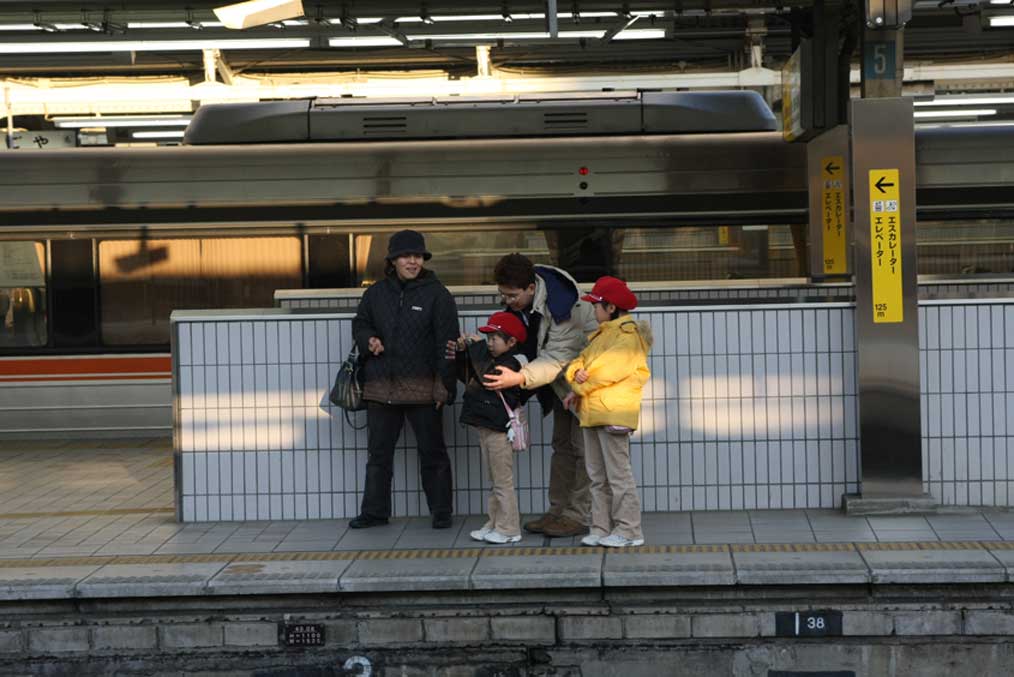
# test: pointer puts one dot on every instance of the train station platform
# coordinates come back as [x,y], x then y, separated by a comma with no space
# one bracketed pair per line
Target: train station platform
[98,577]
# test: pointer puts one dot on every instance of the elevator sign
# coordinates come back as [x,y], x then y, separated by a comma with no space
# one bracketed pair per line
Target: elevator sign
[832,208]
[885,245]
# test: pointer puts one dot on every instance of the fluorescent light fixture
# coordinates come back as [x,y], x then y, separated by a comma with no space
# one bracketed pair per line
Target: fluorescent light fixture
[71,27]
[521,35]
[965,113]
[641,34]
[258,12]
[997,123]
[482,36]
[55,47]
[372,41]
[449,18]
[19,27]
[157,135]
[1005,21]
[968,101]
[123,121]
[999,2]
[158,24]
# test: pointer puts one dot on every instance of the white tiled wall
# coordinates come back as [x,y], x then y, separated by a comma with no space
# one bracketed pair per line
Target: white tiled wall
[735,416]
[967,368]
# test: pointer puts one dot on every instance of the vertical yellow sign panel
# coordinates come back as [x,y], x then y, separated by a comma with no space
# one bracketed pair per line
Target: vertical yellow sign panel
[885,245]
[832,207]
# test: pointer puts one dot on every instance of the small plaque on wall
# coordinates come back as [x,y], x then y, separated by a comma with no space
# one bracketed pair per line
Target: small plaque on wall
[301,634]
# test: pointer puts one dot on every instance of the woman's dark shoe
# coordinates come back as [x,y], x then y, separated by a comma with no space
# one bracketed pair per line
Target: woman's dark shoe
[442,520]
[365,522]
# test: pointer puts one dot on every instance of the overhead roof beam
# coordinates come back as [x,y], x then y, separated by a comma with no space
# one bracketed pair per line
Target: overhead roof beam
[617,29]
[390,31]
[552,21]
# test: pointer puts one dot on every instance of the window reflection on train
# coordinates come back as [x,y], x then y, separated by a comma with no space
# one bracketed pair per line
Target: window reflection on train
[141,281]
[22,295]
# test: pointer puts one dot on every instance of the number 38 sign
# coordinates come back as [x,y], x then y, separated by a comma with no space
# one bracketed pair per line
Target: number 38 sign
[808,624]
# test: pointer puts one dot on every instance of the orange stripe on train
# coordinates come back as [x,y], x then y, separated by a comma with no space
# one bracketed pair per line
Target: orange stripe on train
[88,367]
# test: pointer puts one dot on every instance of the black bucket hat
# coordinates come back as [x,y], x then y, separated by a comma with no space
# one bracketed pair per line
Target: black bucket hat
[407,242]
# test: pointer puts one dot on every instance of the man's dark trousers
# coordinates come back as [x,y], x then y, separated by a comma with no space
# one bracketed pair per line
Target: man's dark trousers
[384,423]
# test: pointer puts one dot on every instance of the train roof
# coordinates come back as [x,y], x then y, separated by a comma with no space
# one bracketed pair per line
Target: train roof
[348,119]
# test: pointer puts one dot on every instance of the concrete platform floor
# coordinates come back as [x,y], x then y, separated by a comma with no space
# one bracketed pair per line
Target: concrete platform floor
[95,518]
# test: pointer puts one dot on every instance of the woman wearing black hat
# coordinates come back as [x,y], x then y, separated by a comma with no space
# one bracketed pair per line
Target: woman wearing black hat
[402,326]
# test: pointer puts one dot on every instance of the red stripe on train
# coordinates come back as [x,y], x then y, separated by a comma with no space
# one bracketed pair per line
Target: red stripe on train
[68,379]
[92,367]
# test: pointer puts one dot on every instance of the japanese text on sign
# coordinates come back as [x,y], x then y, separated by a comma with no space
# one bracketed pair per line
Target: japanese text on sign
[885,245]
[832,200]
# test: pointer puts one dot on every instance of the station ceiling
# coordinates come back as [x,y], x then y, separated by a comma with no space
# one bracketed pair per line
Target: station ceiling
[594,35]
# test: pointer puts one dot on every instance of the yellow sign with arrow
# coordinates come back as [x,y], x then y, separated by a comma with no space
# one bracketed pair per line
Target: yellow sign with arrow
[885,245]
[832,207]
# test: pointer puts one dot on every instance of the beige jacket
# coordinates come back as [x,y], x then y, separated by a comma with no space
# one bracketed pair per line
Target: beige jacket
[558,344]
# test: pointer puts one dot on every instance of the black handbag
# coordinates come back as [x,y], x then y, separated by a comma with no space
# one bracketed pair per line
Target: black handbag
[347,391]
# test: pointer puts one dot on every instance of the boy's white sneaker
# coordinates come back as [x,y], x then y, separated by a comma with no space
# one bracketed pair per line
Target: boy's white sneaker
[591,539]
[496,537]
[617,541]
[480,534]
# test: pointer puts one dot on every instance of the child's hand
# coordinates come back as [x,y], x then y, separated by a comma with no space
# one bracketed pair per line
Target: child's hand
[580,376]
[451,349]
[474,338]
[570,402]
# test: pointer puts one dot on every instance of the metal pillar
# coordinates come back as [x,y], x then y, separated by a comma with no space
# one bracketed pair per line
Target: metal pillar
[886,324]
[827,162]
[885,268]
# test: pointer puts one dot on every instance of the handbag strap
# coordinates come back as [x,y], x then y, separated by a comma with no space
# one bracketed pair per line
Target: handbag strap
[510,412]
[352,425]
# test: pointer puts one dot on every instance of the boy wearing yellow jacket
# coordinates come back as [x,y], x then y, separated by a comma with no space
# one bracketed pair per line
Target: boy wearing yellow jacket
[607,378]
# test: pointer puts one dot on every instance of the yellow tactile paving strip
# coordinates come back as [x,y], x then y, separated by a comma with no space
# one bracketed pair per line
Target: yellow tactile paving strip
[85,513]
[505,552]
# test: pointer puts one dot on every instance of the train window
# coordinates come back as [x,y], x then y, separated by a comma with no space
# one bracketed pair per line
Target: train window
[706,253]
[142,281]
[965,247]
[22,295]
[459,257]
[635,254]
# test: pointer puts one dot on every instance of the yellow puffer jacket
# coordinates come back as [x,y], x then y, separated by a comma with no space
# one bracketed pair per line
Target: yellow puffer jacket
[616,360]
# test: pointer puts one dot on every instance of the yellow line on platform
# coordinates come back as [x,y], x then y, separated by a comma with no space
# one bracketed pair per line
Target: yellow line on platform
[85,513]
[792,547]
[323,556]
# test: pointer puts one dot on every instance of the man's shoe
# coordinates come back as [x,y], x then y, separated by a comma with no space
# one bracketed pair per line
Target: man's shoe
[442,521]
[564,526]
[537,526]
[365,522]
[591,539]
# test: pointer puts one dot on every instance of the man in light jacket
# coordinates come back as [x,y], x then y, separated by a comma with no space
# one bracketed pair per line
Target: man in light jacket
[558,323]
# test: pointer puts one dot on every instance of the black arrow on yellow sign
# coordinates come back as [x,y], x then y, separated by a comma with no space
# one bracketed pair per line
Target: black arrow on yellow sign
[831,168]
[881,185]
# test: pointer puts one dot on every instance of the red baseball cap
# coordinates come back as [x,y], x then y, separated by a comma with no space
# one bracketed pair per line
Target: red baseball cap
[612,290]
[507,323]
